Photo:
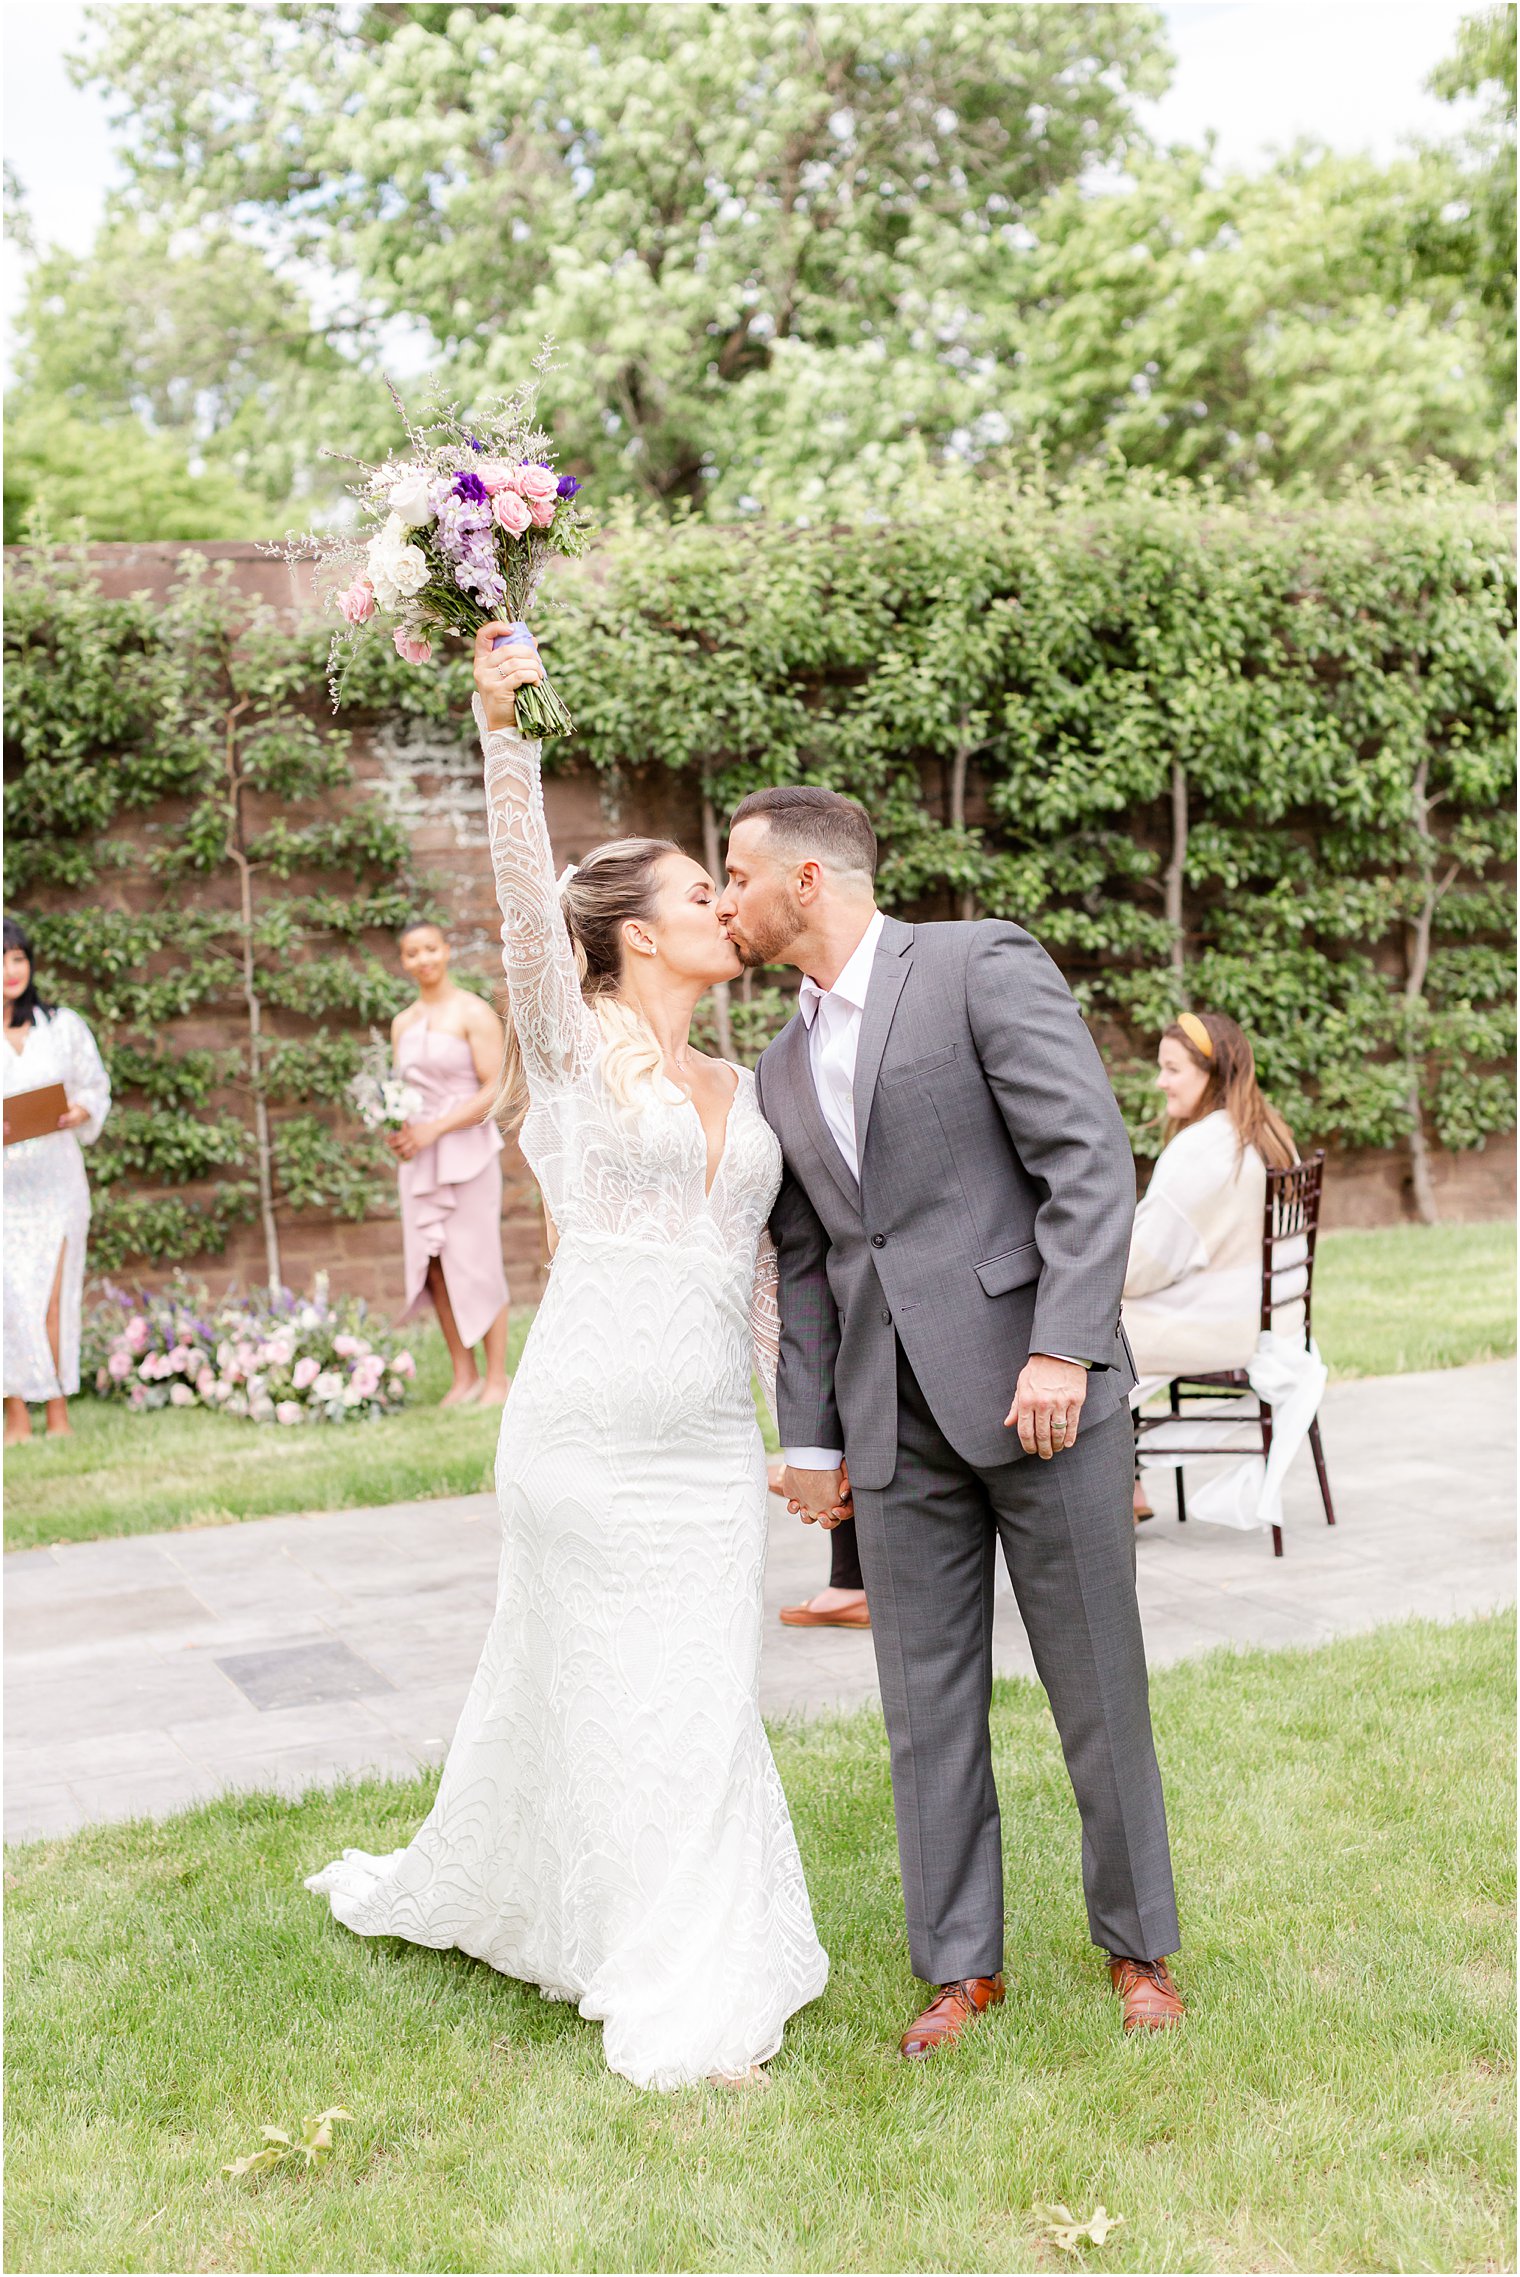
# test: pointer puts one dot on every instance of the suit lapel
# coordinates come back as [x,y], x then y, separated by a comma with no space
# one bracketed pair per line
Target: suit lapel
[889,970]
[792,1045]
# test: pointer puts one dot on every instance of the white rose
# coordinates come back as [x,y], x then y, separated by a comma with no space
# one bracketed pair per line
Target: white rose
[327,1386]
[411,498]
[408,571]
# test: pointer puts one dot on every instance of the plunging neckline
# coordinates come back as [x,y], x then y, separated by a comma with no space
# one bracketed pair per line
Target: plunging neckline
[685,1099]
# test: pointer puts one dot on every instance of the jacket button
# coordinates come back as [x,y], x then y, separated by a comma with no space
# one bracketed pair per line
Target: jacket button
[886,1318]
[878,1241]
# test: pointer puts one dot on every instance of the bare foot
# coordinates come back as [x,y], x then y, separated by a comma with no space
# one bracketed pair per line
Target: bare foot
[836,1600]
[1142,1504]
[18,1434]
[493,1394]
[756,2076]
[462,1394]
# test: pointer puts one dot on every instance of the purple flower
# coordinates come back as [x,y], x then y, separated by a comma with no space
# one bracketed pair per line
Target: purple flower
[475,442]
[567,486]
[470,486]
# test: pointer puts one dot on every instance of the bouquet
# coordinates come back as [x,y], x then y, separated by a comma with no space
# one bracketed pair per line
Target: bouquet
[381,1098]
[272,1358]
[452,535]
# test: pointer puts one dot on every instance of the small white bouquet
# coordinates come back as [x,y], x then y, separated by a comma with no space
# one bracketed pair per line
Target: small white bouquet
[451,536]
[381,1098]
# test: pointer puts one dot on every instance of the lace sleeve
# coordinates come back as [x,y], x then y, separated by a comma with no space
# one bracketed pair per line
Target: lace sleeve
[765,1317]
[557,1032]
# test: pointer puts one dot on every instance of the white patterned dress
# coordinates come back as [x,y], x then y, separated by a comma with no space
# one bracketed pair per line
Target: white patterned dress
[47,1206]
[610,1825]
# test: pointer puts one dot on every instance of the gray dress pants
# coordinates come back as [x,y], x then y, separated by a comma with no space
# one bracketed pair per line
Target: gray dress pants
[927,1544]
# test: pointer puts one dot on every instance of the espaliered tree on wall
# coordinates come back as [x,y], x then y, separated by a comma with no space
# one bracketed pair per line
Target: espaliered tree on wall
[183,840]
[1212,753]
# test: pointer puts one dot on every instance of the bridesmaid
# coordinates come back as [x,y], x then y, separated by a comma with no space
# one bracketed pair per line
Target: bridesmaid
[448,1046]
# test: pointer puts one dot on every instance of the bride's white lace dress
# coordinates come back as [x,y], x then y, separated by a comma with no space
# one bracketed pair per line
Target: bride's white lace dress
[610,1824]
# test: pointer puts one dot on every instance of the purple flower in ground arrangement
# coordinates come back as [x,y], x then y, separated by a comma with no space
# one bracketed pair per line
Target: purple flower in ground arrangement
[567,486]
[468,485]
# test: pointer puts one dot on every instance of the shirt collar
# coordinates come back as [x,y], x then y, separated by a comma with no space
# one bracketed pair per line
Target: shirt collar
[853,982]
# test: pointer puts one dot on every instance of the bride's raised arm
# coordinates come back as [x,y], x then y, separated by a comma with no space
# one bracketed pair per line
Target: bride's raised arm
[557,1032]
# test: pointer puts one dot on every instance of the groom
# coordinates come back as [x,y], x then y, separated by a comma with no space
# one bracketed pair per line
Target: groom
[952,1228]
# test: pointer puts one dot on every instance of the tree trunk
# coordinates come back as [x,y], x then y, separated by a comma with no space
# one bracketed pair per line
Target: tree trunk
[966,904]
[722,1012]
[1417,935]
[263,1153]
[1176,870]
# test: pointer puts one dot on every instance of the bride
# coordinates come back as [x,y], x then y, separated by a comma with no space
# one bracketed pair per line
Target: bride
[610,1825]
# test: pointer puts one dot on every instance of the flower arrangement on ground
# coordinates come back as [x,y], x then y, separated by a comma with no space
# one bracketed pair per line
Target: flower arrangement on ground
[274,1358]
[452,535]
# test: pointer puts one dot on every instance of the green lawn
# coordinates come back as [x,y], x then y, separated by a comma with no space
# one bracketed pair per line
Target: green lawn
[1411,1297]
[1406,1298]
[1341,2097]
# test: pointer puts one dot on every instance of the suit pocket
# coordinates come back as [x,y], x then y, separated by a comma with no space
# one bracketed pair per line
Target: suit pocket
[1013,1269]
[910,1071]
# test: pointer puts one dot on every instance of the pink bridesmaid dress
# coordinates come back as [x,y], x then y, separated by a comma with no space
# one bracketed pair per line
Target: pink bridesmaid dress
[451,1190]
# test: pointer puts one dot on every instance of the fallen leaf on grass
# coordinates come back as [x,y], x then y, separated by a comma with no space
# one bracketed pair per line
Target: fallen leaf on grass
[1064,2228]
[316,2139]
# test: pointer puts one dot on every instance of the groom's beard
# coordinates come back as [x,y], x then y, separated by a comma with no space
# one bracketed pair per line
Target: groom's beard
[770,937]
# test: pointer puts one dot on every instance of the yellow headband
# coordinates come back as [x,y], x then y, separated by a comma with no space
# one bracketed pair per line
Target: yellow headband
[1197,1034]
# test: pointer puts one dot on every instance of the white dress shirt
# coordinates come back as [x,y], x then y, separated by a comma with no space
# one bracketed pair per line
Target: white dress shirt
[833,1017]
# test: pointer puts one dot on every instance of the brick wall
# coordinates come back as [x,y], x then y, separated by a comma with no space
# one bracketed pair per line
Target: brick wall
[432,785]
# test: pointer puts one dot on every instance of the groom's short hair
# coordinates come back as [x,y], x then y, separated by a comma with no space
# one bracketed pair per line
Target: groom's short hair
[808,822]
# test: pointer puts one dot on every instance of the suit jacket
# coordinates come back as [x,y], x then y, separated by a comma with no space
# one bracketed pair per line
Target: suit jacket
[992,1213]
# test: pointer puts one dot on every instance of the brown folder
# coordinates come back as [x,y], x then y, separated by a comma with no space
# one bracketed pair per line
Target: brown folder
[32,1114]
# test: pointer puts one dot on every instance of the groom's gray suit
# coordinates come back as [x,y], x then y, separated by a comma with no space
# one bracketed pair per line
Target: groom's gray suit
[991,1219]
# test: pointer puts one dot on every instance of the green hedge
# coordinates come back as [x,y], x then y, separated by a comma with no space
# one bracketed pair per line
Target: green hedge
[1031,690]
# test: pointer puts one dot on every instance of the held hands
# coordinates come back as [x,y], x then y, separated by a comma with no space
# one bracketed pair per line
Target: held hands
[1047,1403]
[820,1498]
[499,671]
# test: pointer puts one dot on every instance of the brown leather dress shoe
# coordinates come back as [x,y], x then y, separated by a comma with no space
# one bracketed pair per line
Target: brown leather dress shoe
[946,2017]
[846,1617]
[1151,2000]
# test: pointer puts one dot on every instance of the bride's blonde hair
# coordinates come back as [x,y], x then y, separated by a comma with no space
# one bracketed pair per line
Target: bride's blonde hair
[616,883]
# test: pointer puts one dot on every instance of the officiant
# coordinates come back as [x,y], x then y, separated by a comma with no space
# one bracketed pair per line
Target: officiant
[57,1097]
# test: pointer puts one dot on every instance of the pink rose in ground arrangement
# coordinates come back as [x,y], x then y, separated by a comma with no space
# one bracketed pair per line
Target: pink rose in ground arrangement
[358,602]
[289,1411]
[536,481]
[205,1384]
[542,510]
[404,1364]
[511,512]
[137,1332]
[120,1365]
[180,1395]
[411,647]
[366,1378]
[350,1347]
[305,1372]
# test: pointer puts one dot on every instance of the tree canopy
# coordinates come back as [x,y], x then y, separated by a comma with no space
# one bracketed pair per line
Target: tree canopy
[787,253]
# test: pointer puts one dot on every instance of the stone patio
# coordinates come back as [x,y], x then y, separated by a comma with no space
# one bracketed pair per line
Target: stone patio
[142,1675]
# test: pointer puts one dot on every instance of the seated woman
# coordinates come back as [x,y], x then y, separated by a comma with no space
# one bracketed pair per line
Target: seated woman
[1192,1294]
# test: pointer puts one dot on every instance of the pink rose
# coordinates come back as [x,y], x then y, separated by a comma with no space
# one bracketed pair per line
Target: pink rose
[511,512]
[536,481]
[288,1411]
[181,1395]
[542,510]
[495,474]
[350,1347]
[358,603]
[120,1364]
[305,1372]
[404,1364]
[137,1332]
[205,1384]
[411,647]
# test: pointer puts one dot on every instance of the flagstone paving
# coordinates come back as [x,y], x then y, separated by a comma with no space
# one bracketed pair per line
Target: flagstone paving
[145,1674]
